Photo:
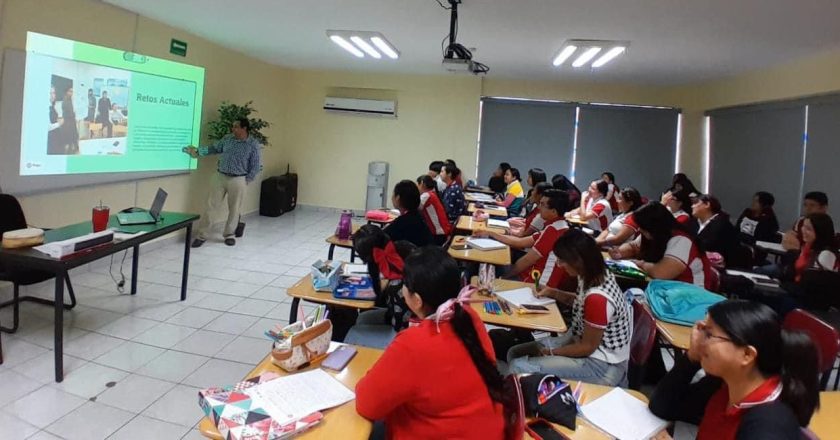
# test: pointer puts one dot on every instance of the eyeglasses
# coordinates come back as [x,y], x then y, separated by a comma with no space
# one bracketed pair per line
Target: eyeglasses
[708,335]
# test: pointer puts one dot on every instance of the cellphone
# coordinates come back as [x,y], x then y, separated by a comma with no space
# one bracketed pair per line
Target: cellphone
[540,429]
[530,308]
[339,358]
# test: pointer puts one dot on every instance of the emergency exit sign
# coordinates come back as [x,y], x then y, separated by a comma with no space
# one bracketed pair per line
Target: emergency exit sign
[178,47]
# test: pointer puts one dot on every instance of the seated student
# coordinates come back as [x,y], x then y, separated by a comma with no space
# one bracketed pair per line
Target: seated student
[384,258]
[715,233]
[497,180]
[761,381]
[609,177]
[665,250]
[453,196]
[677,202]
[594,208]
[437,379]
[597,347]
[535,177]
[623,228]
[539,256]
[434,173]
[449,163]
[758,222]
[681,182]
[533,222]
[814,202]
[514,194]
[432,210]
[560,182]
[409,226]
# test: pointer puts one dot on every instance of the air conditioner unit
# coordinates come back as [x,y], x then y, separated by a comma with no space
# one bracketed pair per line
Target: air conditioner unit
[361,106]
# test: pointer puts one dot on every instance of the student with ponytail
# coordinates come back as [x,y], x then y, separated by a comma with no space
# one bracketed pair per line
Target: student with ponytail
[761,381]
[432,210]
[438,378]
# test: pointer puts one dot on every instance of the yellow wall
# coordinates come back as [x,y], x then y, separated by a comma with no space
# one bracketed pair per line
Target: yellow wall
[229,76]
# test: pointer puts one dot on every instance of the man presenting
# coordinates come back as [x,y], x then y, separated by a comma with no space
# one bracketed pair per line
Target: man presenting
[105,115]
[238,166]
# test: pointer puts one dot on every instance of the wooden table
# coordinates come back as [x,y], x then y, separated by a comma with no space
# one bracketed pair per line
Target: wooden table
[467,223]
[481,198]
[586,430]
[547,322]
[340,422]
[825,423]
[575,220]
[497,257]
[479,189]
[334,242]
[675,335]
[391,218]
[494,211]
[303,290]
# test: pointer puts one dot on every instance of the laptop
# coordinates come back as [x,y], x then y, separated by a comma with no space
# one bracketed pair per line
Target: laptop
[144,217]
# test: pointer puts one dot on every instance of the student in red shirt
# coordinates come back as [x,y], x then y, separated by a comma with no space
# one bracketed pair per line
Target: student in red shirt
[623,228]
[432,209]
[597,347]
[437,379]
[594,207]
[678,202]
[761,381]
[531,223]
[814,202]
[540,256]
[666,250]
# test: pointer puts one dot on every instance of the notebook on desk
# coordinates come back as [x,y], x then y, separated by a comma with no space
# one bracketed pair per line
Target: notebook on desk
[144,217]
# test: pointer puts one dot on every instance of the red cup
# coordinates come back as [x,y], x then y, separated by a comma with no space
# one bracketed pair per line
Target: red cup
[100,218]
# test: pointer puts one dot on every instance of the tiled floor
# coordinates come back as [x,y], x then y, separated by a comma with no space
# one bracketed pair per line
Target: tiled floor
[134,364]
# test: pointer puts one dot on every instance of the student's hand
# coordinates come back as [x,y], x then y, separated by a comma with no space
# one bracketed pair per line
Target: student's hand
[192,151]
[545,351]
[790,241]
[545,292]
[615,253]
[639,263]
[481,233]
[696,343]
[666,197]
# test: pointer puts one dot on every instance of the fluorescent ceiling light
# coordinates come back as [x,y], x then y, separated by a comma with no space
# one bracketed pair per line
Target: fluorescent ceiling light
[386,48]
[586,56]
[362,44]
[564,54]
[346,46]
[607,57]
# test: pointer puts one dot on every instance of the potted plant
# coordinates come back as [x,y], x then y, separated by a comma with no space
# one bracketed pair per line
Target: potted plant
[229,112]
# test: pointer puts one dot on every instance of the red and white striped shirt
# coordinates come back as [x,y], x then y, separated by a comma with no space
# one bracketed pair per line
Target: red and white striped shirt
[698,269]
[550,274]
[434,214]
[682,217]
[603,214]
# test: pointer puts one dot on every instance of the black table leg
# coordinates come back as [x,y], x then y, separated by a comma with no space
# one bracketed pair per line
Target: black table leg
[293,311]
[59,325]
[135,261]
[185,271]
[330,252]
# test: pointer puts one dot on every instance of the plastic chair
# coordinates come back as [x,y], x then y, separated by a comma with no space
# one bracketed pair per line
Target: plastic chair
[514,407]
[12,219]
[825,337]
[641,344]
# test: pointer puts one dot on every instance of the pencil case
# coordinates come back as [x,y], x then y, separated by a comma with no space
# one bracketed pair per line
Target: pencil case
[303,346]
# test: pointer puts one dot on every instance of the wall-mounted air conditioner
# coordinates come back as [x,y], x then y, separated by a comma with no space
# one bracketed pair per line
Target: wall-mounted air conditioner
[361,106]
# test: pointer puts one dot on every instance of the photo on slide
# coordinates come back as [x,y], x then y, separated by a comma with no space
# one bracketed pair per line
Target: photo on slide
[88,109]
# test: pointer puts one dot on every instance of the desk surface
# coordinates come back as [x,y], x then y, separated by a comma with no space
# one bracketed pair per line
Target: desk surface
[467,223]
[333,239]
[340,422]
[548,322]
[497,257]
[577,221]
[480,197]
[497,211]
[479,189]
[679,336]
[303,289]
[825,422]
[170,221]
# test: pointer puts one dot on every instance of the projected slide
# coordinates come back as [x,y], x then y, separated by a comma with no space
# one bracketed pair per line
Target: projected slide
[91,109]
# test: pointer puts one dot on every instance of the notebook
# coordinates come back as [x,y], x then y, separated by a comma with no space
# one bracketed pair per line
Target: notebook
[485,244]
[623,416]
[498,223]
[523,295]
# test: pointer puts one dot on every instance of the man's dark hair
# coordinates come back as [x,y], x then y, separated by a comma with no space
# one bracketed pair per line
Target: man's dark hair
[765,199]
[244,123]
[557,200]
[436,166]
[817,196]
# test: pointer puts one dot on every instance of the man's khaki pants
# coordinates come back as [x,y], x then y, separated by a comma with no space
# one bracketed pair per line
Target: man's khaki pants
[234,189]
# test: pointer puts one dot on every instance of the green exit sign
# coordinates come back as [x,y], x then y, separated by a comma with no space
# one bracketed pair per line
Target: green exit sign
[178,47]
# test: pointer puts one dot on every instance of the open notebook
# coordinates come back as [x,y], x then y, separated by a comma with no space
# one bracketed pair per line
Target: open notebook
[523,295]
[623,416]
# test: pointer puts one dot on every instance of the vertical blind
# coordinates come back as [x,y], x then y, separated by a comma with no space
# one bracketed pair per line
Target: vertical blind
[527,134]
[636,144]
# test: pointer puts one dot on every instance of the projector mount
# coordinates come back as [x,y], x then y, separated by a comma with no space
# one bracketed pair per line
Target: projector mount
[456,57]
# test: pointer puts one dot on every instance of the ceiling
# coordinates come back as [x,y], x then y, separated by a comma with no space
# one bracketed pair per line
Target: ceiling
[672,41]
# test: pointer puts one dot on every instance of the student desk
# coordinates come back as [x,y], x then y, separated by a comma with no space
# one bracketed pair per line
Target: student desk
[334,242]
[303,290]
[825,423]
[481,198]
[30,259]
[479,189]
[494,211]
[340,422]
[383,223]
[627,282]
[497,257]
[467,223]
[547,322]
[675,335]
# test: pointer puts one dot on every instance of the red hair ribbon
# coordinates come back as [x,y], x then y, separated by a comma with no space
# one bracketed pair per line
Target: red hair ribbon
[389,261]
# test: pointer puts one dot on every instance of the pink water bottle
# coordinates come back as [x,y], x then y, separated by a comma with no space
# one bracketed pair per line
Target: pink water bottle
[345,226]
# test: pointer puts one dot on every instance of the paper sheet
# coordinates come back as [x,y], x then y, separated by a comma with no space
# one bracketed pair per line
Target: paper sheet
[291,397]
[485,244]
[770,246]
[354,269]
[523,295]
[623,416]
[498,223]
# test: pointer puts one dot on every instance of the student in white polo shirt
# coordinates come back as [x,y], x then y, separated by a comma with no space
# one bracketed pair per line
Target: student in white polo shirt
[594,207]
